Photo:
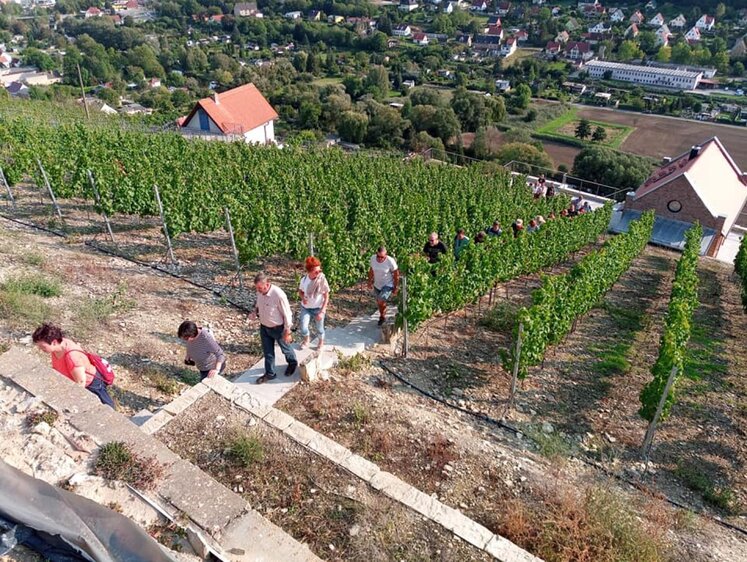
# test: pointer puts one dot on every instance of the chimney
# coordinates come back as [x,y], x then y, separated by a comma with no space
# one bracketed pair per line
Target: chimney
[694,151]
[215,99]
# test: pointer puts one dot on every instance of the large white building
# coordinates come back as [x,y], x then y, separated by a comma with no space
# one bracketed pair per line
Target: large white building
[645,75]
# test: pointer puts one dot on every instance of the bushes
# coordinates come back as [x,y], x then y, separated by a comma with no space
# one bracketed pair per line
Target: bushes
[677,328]
[563,298]
[740,268]
[609,167]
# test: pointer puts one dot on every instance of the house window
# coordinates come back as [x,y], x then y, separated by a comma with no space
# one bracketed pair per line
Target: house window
[204,121]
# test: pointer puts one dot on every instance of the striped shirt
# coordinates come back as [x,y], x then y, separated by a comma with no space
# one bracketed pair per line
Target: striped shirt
[205,351]
[274,309]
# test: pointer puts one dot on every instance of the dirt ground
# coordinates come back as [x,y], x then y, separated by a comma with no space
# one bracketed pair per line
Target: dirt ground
[662,136]
[335,513]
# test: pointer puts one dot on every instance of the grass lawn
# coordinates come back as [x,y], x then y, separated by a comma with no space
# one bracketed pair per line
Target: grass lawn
[327,81]
[565,126]
[518,56]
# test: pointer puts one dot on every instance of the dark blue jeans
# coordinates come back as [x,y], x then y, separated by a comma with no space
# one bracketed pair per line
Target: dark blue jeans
[98,388]
[269,337]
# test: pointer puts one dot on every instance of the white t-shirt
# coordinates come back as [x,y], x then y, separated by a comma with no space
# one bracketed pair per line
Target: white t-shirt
[383,271]
[315,302]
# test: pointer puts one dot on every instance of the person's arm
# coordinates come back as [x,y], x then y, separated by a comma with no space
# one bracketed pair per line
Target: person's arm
[77,367]
[395,276]
[220,356]
[285,312]
[370,277]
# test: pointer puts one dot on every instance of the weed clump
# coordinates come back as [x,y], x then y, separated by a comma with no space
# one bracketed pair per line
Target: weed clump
[164,383]
[501,318]
[98,310]
[245,449]
[117,461]
[696,479]
[352,365]
[38,285]
[35,418]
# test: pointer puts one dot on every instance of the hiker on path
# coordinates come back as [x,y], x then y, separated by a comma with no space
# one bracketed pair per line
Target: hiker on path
[202,350]
[460,242]
[383,279]
[275,319]
[314,294]
[69,359]
[434,248]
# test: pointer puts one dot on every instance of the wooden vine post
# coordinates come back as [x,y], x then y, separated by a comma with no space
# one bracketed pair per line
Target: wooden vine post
[98,202]
[49,189]
[405,330]
[649,438]
[515,374]
[7,188]
[236,259]
[165,228]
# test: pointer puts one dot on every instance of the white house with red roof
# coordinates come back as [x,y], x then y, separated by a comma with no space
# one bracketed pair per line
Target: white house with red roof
[637,18]
[92,12]
[705,23]
[703,184]
[509,47]
[420,38]
[241,112]
[656,21]
[678,23]
[693,36]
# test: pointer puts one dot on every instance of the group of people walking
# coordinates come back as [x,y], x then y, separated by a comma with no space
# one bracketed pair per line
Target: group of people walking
[273,310]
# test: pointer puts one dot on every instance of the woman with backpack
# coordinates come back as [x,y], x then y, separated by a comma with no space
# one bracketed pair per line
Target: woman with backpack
[69,359]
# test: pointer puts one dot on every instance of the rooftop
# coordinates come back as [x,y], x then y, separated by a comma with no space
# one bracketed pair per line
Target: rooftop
[635,67]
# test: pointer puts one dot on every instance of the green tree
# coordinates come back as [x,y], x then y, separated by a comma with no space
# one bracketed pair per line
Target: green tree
[648,42]
[300,60]
[664,54]
[583,129]
[607,166]
[681,53]
[39,59]
[738,68]
[426,96]
[470,109]
[522,96]
[629,50]
[377,82]
[353,126]
[526,153]
[599,135]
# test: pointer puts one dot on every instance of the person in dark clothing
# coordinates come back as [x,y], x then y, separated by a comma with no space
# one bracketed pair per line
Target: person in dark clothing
[434,248]
[480,237]
[495,230]
[517,227]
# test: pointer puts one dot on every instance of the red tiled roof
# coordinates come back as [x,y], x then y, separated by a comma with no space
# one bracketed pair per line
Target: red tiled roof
[237,111]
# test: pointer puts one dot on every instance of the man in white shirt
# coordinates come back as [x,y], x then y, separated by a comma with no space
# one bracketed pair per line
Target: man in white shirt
[383,278]
[275,318]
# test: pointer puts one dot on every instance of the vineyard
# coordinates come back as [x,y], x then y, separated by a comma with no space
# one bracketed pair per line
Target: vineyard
[562,299]
[277,198]
[677,328]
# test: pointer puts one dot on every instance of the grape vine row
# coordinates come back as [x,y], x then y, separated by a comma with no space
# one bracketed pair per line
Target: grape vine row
[740,268]
[561,299]
[677,328]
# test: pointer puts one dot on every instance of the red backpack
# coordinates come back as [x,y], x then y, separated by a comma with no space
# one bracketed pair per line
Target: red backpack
[101,365]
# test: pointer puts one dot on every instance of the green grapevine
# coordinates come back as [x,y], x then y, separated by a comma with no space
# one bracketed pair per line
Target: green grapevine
[740,268]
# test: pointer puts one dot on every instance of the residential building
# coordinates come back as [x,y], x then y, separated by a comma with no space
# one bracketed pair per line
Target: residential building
[632,31]
[521,36]
[598,28]
[335,19]
[553,48]
[503,8]
[479,6]
[678,23]
[637,18]
[662,35]
[464,39]
[617,15]
[706,22]
[502,85]
[693,36]
[408,5]
[704,185]
[739,49]
[645,75]
[449,8]
[293,15]
[572,25]
[494,20]
[241,113]
[563,37]
[656,21]
[593,11]
[487,43]
[93,12]
[245,9]
[18,90]
[315,15]
[420,38]
[401,30]
[509,47]
[496,30]
[578,51]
